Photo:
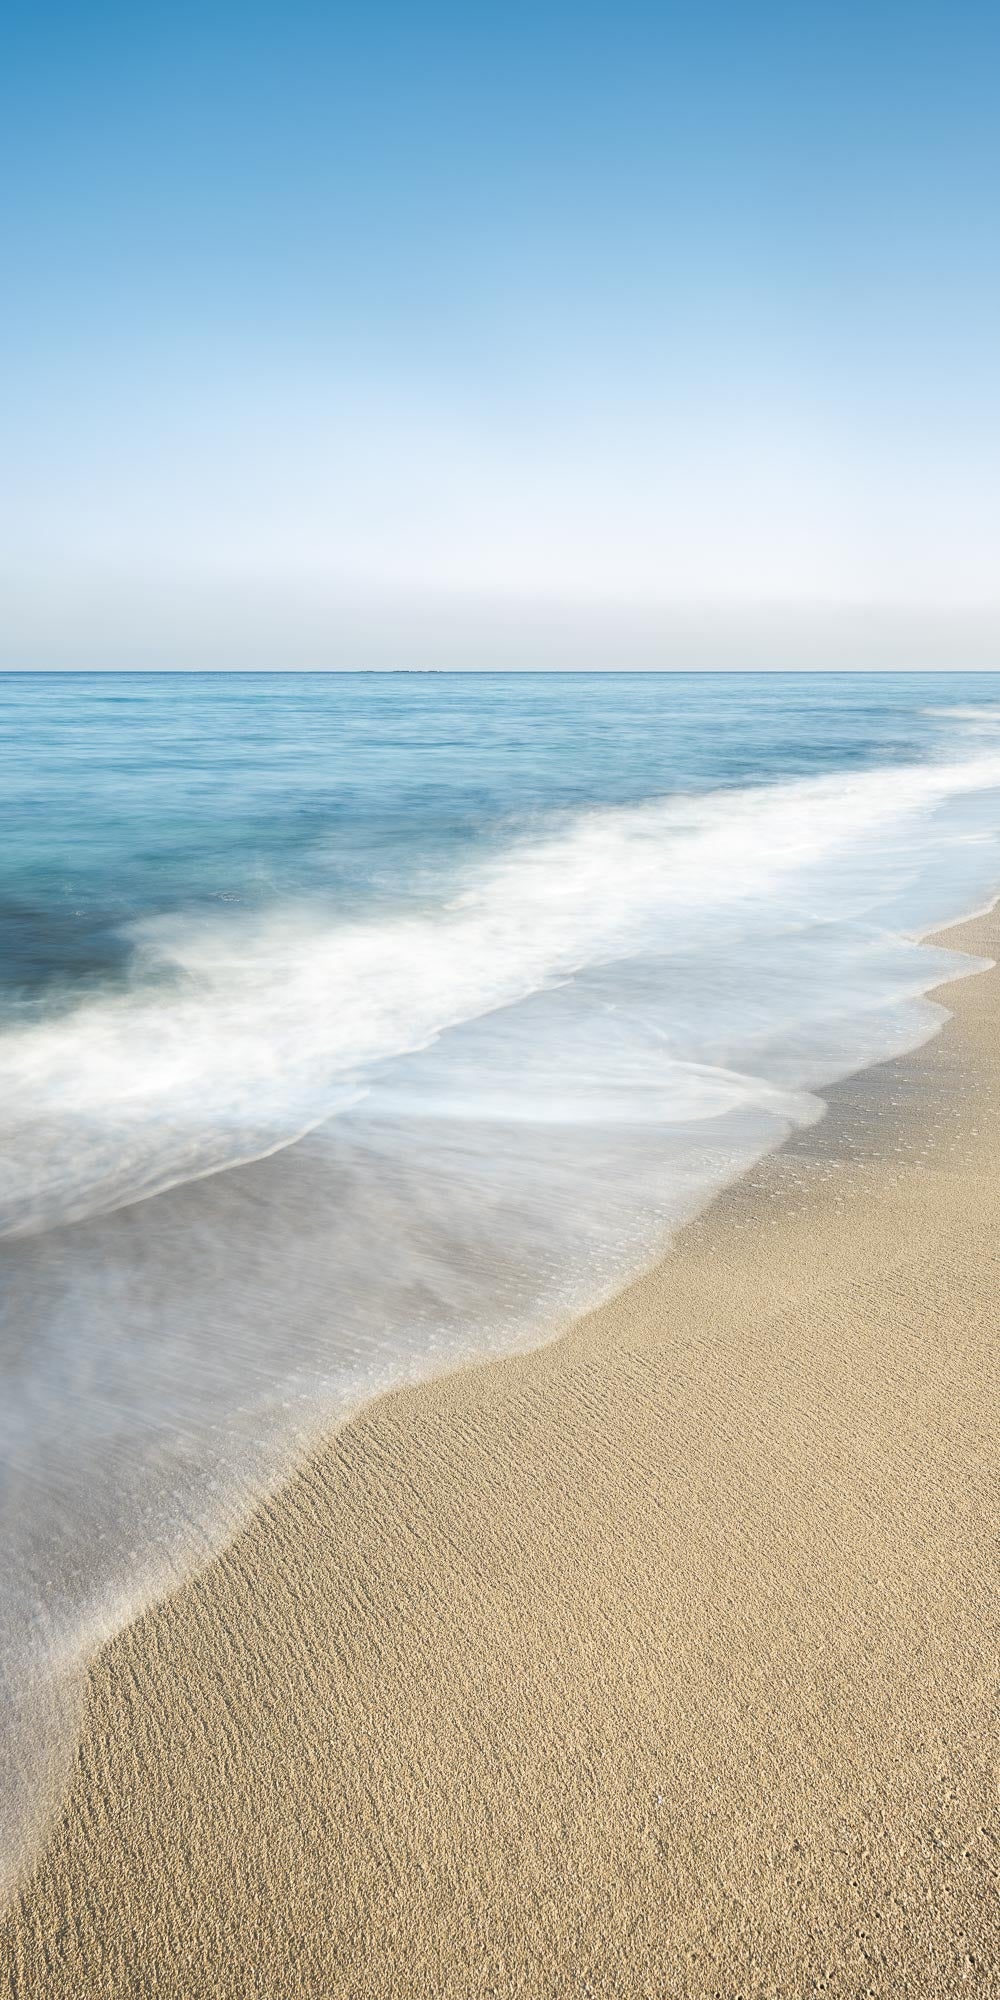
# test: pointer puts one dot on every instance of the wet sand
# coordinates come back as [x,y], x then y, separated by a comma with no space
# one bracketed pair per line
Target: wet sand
[659,1662]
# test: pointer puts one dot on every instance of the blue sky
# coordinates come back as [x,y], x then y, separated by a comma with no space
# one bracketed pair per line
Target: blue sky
[517,335]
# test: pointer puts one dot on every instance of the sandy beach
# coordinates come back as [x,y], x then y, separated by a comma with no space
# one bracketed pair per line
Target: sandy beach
[658,1662]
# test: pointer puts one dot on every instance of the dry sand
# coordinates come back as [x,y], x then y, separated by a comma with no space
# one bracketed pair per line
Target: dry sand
[658,1662]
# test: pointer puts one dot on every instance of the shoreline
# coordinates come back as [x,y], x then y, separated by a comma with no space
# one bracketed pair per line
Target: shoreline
[486,1699]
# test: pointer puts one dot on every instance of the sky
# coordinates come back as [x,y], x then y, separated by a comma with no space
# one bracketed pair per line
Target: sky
[500,335]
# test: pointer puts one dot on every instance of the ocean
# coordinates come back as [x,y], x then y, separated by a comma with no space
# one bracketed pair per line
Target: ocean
[352,1027]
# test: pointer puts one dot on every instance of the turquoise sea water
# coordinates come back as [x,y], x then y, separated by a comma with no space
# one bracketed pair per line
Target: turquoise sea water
[353,1026]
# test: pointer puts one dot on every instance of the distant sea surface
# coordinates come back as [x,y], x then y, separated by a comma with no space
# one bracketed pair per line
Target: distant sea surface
[354,1026]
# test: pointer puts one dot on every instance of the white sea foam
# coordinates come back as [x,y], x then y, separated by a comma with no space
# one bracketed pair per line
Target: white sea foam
[235,1036]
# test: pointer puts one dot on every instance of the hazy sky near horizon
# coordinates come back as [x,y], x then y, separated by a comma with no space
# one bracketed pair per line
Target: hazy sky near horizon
[522,335]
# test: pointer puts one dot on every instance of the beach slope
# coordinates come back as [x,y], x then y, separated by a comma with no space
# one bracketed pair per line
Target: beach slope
[658,1662]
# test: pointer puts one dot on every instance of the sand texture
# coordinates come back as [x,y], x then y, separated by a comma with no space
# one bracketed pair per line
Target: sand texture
[659,1662]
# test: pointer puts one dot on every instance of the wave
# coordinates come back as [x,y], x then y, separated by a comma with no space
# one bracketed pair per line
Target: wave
[235,1036]
[987,713]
